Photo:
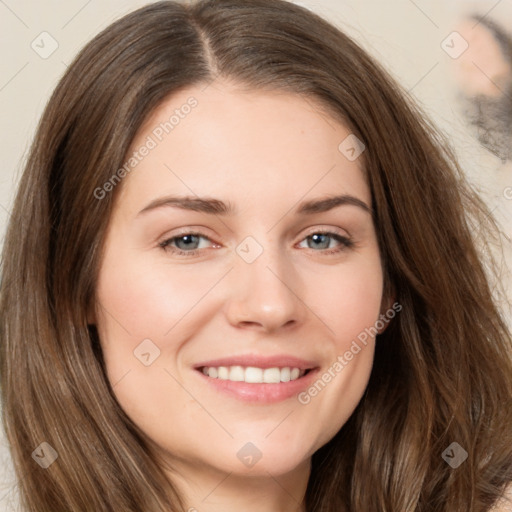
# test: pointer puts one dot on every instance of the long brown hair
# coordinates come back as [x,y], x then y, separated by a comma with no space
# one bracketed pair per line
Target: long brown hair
[442,371]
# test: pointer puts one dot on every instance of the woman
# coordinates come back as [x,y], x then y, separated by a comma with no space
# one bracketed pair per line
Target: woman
[239,275]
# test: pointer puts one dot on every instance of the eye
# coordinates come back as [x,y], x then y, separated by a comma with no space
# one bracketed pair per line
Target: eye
[186,244]
[191,243]
[327,242]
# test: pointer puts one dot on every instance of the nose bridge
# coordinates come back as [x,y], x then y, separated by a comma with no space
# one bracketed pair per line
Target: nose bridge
[262,292]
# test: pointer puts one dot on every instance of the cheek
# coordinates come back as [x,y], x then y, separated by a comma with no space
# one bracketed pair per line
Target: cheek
[350,311]
[144,315]
[147,300]
[142,309]
[350,300]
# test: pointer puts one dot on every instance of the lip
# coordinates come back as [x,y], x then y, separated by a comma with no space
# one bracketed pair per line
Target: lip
[260,393]
[280,361]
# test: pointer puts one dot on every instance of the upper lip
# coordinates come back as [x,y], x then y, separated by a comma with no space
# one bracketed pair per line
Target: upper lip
[258,361]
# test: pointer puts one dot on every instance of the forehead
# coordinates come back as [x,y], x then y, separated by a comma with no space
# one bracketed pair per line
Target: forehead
[242,145]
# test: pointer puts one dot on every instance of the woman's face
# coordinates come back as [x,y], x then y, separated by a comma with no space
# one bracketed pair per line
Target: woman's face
[224,258]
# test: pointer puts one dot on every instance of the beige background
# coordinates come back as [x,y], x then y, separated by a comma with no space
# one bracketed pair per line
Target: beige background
[404,35]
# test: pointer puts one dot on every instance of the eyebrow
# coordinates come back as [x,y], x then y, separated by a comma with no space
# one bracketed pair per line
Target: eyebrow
[218,207]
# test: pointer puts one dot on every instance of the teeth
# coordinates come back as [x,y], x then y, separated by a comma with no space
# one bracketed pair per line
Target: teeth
[254,375]
[236,373]
[272,375]
[223,373]
[285,375]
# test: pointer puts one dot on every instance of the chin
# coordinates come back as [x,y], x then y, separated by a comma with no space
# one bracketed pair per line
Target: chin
[264,457]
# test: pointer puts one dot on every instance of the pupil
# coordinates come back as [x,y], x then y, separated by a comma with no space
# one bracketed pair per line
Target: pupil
[318,240]
[187,239]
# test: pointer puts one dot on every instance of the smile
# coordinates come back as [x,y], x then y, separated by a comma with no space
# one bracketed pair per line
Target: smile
[254,375]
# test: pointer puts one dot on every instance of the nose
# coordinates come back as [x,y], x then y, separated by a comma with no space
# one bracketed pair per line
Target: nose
[264,295]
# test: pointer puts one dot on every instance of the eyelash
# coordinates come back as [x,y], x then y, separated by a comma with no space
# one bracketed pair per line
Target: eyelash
[346,243]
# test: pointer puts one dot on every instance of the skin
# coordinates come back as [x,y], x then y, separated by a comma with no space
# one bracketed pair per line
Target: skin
[263,152]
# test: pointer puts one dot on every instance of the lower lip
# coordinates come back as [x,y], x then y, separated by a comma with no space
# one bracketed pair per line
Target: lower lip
[261,393]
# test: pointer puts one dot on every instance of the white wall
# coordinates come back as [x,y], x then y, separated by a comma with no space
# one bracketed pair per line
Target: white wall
[405,35]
